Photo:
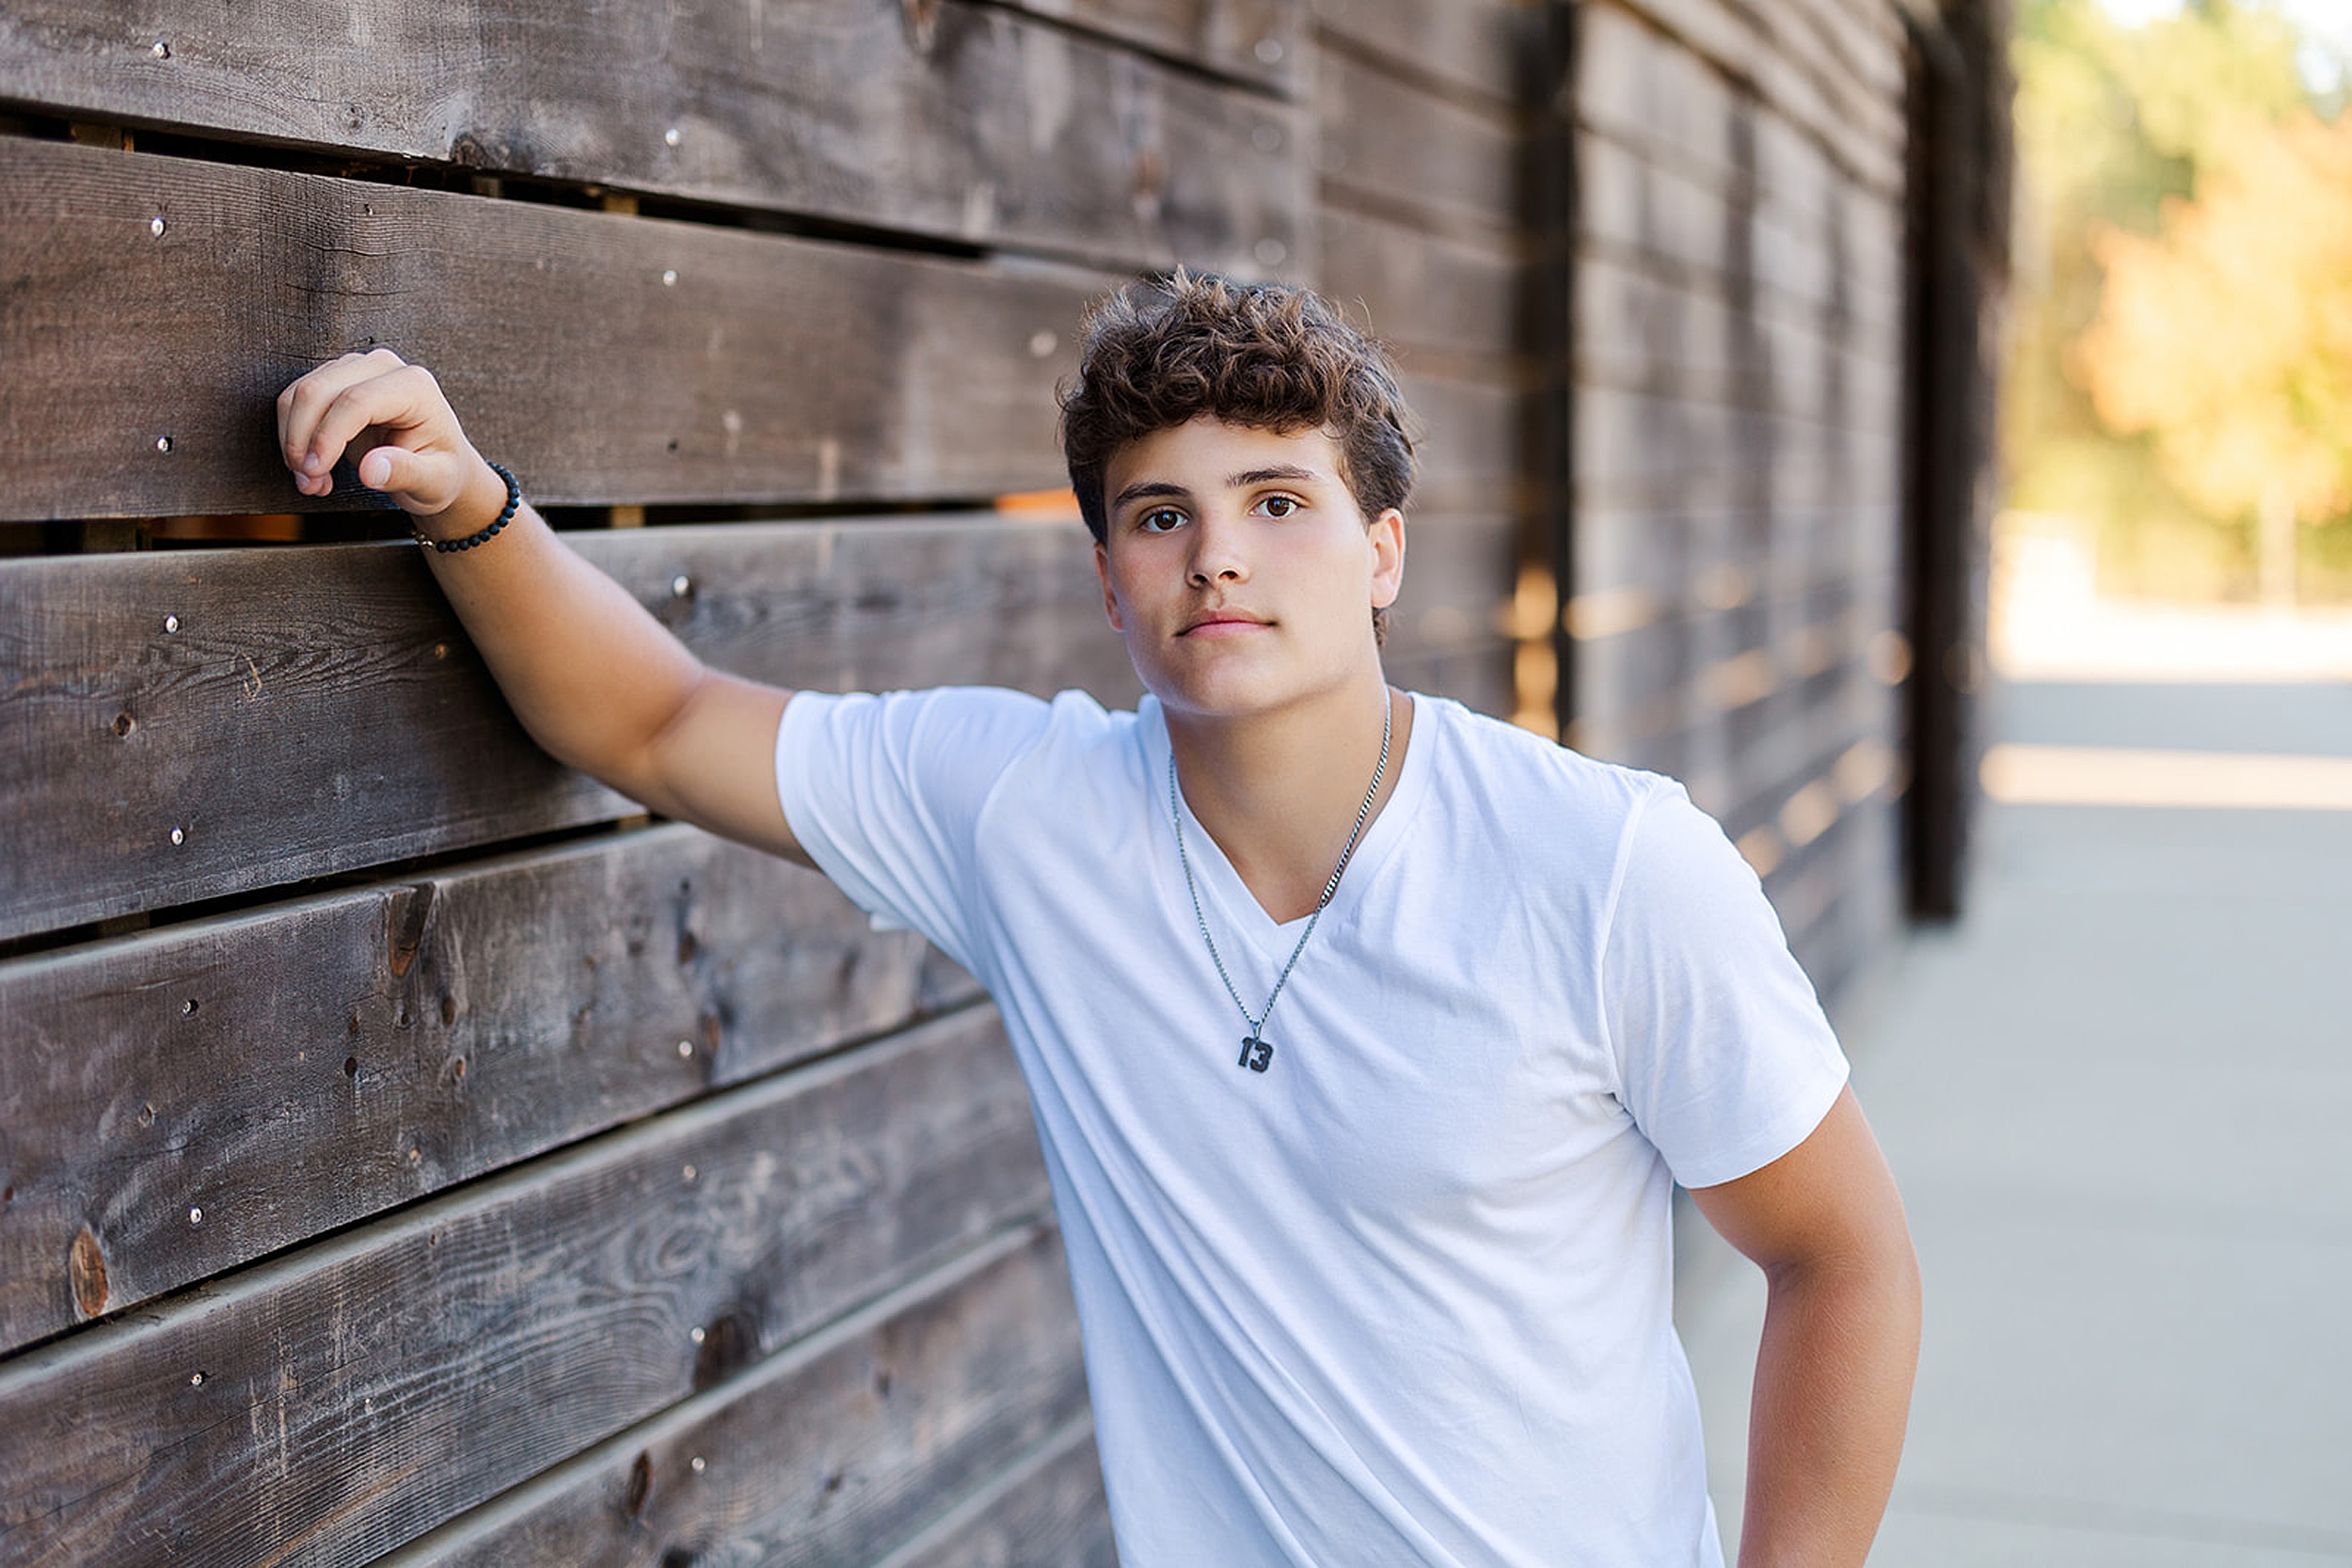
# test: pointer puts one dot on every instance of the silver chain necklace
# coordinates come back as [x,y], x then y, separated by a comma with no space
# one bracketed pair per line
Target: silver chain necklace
[1257,1054]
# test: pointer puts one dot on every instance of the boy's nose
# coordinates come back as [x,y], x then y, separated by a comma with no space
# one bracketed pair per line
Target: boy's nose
[1216,554]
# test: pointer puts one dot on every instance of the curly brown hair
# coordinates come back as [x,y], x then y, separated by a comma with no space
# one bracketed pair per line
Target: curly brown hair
[1155,354]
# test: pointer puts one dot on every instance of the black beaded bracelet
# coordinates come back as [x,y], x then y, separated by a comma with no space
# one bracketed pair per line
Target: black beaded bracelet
[514,499]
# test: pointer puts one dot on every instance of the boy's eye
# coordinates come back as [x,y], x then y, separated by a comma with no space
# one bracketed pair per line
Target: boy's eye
[1160,520]
[1278,506]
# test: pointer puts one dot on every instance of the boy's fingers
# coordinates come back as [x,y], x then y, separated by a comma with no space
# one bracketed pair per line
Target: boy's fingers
[305,403]
[404,403]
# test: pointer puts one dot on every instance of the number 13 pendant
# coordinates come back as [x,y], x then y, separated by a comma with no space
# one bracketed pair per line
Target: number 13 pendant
[1256,1054]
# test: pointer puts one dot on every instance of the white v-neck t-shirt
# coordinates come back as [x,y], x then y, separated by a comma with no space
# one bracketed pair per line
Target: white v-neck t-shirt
[1405,1296]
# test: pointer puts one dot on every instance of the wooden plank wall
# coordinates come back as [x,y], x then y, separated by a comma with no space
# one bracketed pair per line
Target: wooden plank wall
[409,1152]
[1421,216]
[1738,432]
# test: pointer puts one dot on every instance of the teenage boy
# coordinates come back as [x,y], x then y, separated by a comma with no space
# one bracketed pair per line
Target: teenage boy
[1366,1037]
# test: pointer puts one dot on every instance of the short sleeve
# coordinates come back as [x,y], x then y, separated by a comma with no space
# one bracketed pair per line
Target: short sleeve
[886,793]
[1724,1059]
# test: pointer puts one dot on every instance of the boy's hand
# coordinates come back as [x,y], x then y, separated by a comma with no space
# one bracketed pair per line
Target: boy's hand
[408,438]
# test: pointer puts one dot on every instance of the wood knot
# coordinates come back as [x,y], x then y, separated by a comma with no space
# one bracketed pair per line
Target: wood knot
[640,1483]
[728,1345]
[86,1266]
[922,22]
[408,918]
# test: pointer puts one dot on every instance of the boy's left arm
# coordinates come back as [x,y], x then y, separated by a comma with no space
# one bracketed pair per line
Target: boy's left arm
[1842,1341]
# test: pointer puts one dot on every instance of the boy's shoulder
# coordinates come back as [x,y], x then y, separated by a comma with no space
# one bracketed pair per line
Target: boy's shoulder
[1480,755]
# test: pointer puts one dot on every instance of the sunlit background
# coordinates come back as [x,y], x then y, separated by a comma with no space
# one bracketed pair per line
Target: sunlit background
[2116,1091]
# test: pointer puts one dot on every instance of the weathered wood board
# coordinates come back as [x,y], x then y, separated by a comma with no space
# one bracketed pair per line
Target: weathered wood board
[477,1016]
[1640,332]
[963,121]
[1391,148]
[1859,127]
[1458,575]
[827,1455]
[603,357]
[1471,441]
[1666,218]
[1478,44]
[188,725]
[332,1403]
[1259,41]
[1046,1512]
[1447,305]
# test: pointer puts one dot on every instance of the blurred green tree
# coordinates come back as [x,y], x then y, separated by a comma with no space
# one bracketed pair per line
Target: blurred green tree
[2227,337]
[2113,124]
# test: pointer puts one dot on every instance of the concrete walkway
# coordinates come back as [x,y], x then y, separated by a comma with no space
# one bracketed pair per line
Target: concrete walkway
[2119,1100]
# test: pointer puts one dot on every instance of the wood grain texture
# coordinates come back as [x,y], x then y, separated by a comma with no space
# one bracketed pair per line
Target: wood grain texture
[1046,1512]
[963,121]
[1471,444]
[477,1016]
[300,712]
[1660,216]
[1459,572]
[332,1403]
[1852,120]
[1478,44]
[1263,43]
[602,356]
[828,1454]
[1447,305]
[1391,148]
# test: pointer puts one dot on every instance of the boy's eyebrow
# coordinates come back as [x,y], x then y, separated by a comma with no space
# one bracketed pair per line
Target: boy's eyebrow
[1144,487]
[1280,471]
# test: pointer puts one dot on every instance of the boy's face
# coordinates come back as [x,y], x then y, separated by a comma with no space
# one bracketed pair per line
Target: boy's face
[1239,568]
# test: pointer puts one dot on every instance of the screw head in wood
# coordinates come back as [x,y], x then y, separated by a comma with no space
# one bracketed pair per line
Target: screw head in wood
[196,1379]
[162,50]
[690,1173]
[1268,51]
[171,623]
[163,443]
[156,225]
[671,137]
[669,278]
[686,1048]
[1269,252]
[697,1336]
[1042,342]
[179,835]
[680,586]
[696,1464]
[195,1215]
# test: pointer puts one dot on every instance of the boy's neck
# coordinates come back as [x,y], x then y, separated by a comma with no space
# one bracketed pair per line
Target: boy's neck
[1279,791]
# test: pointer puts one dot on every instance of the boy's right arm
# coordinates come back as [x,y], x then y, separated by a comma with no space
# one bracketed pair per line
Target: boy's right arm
[598,681]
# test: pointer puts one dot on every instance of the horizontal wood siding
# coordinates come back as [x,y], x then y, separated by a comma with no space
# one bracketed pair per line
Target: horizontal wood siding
[1048,1509]
[334,1403]
[138,371]
[475,1017]
[184,726]
[1421,162]
[960,121]
[1738,435]
[832,1453]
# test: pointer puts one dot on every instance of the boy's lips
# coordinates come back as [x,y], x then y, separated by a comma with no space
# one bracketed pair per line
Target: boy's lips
[1221,622]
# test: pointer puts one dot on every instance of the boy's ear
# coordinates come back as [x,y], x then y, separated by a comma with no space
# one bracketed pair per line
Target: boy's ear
[1386,537]
[1110,600]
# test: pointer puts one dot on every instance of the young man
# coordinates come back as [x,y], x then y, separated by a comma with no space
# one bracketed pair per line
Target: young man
[1366,1036]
